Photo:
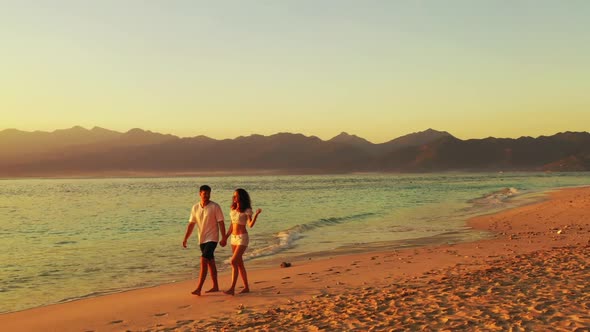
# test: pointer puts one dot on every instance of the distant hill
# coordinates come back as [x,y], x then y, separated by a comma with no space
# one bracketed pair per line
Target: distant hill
[345,138]
[560,152]
[78,151]
[20,147]
[416,139]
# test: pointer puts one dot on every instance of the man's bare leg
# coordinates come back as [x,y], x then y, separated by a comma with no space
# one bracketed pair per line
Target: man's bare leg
[213,270]
[202,276]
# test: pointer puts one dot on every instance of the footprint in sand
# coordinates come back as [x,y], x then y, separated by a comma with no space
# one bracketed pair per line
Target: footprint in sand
[116,321]
[180,323]
[184,306]
[161,314]
[258,282]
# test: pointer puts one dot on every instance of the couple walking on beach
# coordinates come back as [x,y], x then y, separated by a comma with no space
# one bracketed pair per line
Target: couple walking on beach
[208,217]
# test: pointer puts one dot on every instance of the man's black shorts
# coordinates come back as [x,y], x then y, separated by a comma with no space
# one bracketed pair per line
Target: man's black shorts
[207,249]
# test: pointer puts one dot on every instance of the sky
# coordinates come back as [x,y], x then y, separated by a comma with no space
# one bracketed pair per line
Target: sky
[223,69]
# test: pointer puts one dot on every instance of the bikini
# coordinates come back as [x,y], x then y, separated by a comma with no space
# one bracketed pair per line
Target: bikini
[240,218]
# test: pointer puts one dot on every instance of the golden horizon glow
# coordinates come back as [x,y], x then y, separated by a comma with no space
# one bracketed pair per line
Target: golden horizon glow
[378,70]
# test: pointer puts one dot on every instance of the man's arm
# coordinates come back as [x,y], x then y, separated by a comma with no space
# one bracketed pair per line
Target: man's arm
[189,231]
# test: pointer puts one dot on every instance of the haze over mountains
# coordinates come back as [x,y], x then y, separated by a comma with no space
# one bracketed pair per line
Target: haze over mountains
[81,152]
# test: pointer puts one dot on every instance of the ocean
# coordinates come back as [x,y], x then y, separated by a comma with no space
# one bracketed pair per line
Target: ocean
[66,239]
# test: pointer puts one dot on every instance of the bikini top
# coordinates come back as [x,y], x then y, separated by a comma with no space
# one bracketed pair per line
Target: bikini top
[240,218]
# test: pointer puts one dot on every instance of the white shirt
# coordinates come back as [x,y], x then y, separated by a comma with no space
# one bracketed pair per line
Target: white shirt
[207,219]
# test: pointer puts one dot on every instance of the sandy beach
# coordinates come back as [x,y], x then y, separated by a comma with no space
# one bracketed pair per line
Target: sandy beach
[531,275]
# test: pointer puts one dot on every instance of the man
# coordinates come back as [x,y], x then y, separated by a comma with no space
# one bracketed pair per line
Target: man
[208,217]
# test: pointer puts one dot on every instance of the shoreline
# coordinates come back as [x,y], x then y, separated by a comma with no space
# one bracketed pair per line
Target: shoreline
[548,226]
[271,262]
[457,236]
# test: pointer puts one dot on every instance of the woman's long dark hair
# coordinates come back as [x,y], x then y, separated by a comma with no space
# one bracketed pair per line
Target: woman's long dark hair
[244,199]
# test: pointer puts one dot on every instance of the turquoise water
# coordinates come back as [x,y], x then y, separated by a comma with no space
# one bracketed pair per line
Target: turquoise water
[63,239]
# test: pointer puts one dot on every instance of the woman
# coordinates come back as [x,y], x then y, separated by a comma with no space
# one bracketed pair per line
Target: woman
[241,215]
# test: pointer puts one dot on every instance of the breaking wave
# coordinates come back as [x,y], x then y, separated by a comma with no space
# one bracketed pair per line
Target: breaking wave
[286,239]
[495,198]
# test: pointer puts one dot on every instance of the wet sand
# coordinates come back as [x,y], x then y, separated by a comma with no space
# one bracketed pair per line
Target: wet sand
[532,275]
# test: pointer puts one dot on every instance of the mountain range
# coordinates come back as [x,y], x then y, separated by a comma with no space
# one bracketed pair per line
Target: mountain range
[95,152]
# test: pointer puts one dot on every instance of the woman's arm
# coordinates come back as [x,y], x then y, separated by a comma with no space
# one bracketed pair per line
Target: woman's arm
[229,230]
[230,227]
[252,220]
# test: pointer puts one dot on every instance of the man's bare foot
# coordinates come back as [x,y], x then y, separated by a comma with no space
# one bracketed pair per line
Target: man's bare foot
[214,289]
[229,291]
[245,290]
[196,292]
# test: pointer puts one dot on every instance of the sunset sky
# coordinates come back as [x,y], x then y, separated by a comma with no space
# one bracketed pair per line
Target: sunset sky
[376,69]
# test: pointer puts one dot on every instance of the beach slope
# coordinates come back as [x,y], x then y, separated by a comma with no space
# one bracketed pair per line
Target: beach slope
[532,274]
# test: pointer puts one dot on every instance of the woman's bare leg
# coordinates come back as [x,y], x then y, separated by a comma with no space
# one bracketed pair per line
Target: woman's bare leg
[244,275]
[236,260]
[234,271]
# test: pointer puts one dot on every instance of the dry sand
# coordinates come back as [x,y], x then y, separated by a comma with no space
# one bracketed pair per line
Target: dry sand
[533,275]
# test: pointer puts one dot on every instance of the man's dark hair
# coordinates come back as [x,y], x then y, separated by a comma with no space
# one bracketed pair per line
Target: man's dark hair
[205,188]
